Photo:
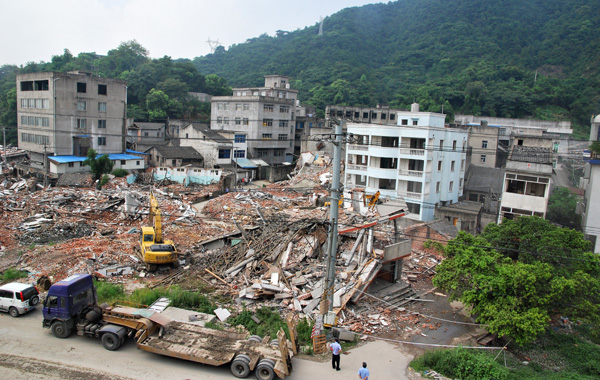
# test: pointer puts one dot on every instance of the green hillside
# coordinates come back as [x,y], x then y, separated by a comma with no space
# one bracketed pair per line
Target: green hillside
[506,58]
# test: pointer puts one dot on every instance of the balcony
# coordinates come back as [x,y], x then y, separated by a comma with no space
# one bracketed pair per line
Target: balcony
[360,168]
[411,195]
[412,152]
[411,173]
[358,147]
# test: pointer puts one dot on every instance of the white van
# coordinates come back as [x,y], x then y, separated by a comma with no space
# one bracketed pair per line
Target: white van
[18,298]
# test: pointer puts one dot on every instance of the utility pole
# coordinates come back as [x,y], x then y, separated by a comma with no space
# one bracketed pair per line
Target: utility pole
[46,168]
[4,147]
[333,215]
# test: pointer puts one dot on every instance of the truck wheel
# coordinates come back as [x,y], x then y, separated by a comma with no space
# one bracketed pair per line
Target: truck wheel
[246,358]
[275,343]
[255,338]
[110,341]
[240,368]
[13,312]
[264,371]
[60,330]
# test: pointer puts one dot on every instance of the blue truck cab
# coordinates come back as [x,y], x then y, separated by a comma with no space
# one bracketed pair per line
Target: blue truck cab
[66,302]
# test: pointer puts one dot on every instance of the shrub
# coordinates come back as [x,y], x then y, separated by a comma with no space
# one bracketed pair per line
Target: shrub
[120,172]
[462,364]
[270,322]
[12,274]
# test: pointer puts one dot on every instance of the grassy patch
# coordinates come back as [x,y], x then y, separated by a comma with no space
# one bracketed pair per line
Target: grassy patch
[12,274]
[270,322]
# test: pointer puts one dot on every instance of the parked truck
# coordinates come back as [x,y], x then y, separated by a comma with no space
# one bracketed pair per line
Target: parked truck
[71,305]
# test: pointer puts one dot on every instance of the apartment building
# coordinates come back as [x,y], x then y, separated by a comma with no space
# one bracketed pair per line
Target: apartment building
[65,114]
[266,115]
[370,115]
[418,159]
[527,180]
[218,149]
[590,219]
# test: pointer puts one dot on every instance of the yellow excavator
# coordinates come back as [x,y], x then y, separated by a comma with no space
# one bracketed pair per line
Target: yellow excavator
[372,200]
[153,248]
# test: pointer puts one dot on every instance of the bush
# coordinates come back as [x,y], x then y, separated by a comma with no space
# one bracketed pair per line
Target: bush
[12,274]
[462,364]
[270,323]
[104,180]
[120,172]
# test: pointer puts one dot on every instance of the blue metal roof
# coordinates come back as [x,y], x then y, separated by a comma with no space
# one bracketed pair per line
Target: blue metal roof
[112,156]
[244,163]
[135,152]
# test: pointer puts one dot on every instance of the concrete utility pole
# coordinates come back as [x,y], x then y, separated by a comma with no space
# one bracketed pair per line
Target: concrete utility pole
[5,164]
[333,215]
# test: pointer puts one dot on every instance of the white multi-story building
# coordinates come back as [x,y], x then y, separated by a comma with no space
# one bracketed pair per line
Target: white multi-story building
[591,184]
[264,114]
[419,160]
[526,187]
[65,114]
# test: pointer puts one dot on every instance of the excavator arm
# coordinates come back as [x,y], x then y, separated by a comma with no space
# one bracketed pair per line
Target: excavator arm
[155,219]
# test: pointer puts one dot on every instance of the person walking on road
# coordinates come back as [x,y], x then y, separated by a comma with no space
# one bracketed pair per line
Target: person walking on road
[363,372]
[336,350]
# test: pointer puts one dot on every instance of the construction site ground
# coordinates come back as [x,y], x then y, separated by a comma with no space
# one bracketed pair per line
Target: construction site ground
[259,246]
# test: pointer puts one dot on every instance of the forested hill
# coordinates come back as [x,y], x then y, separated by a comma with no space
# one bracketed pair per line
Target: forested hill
[506,58]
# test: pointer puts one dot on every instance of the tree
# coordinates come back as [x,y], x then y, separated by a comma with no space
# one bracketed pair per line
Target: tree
[517,275]
[157,103]
[99,165]
[561,208]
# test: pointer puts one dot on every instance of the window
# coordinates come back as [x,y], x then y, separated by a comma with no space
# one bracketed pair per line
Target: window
[219,120]
[81,123]
[245,121]
[101,140]
[246,107]
[101,107]
[415,122]
[267,136]
[438,185]
[268,107]
[240,138]
[365,115]
[41,85]
[278,152]
[282,137]
[224,153]
[27,85]
[225,106]
[238,107]
[102,89]
[441,145]
[219,106]
[454,145]
[451,186]
[101,123]
[462,165]
[137,163]
[81,87]
[392,116]
[238,121]
[226,120]
[284,109]
[404,121]
[174,162]
[460,183]
[81,105]
[283,123]
[267,122]
[483,158]
[384,116]
[71,164]
[262,153]
[123,162]
[239,153]
[452,164]
[484,144]
[439,165]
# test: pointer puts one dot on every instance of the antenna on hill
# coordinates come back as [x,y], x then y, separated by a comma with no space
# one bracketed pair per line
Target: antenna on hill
[213,44]
[321,26]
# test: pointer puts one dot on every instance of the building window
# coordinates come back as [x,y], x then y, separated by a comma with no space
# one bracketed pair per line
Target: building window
[238,107]
[71,164]
[441,145]
[81,87]
[219,106]
[102,89]
[392,116]
[483,158]
[226,120]
[462,165]
[239,153]
[81,105]
[101,107]
[283,123]
[415,122]
[278,152]
[267,122]
[267,136]
[268,107]
[101,123]
[240,138]
[452,164]
[451,186]
[454,145]
[224,153]
[246,106]
[439,166]
[438,186]
[219,120]
[284,109]
[238,121]
[384,116]
[245,121]
[101,140]
[460,183]
[282,137]
[225,106]
[123,162]
[27,85]
[81,123]
[262,153]
[137,163]
[484,144]
[404,121]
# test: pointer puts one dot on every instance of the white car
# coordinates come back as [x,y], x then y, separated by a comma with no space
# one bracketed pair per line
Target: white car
[18,298]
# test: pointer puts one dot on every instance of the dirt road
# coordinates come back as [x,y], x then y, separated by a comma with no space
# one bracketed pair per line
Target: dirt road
[27,351]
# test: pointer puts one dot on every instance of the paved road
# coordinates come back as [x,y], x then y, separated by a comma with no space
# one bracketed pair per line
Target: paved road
[29,352]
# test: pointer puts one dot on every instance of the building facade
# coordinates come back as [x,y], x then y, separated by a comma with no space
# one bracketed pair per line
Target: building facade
[419,160]
[266,115]
[218,149]
[68,113]
[590,219]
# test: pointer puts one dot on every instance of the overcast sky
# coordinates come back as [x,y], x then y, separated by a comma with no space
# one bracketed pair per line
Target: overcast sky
[35,30]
